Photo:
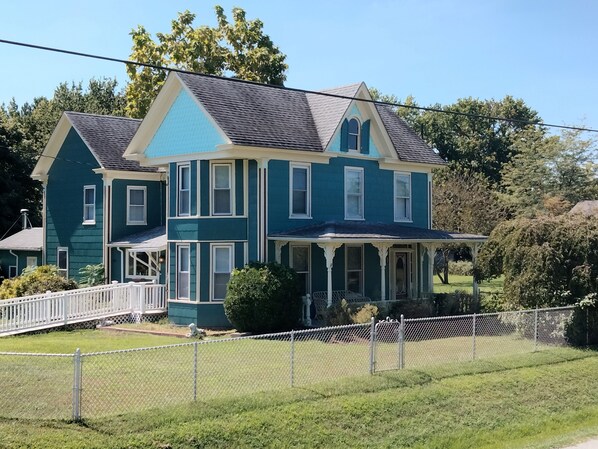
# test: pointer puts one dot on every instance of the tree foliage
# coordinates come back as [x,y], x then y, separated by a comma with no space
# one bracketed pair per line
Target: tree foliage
[240,49]
[546,261]
[34,281]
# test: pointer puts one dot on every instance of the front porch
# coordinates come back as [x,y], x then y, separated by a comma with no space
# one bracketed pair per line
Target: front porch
[372,262]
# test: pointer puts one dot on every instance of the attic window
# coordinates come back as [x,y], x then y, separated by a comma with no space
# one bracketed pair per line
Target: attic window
[353,137]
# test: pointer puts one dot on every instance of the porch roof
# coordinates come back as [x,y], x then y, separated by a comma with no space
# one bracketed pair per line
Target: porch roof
[30,239]
[364,232]
[147,241]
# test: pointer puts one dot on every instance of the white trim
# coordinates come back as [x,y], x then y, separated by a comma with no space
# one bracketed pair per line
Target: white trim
[91,221]
[359,170]
[153,271]
[309,269]
[65,270]
[231,264]
[409,212]
[144,190]
[178,188]
[359,124]
[178,272]
[362,274]
[231,179]
[110,175]
[305,166]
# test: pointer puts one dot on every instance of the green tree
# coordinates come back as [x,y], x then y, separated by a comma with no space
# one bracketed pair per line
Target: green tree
[240,49]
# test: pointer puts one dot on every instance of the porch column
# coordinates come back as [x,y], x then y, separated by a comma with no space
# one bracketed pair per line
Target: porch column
[475,247]
[278,244]
[329,250]
[431,252]
[383,254]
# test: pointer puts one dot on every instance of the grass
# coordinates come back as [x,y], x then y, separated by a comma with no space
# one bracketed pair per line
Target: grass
[465,283]
[534,401]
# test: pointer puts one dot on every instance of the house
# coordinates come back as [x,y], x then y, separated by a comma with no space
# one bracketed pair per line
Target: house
[338,189]
[21,250]
[99,207]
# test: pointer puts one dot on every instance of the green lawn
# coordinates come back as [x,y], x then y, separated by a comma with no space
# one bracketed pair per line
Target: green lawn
[541,400]
[466,283]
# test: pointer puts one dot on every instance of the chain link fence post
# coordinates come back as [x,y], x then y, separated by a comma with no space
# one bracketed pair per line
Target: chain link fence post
[372,345]
[195,345]
[402,343]
[77,385]
[535,329]
[292,362]
[473,334]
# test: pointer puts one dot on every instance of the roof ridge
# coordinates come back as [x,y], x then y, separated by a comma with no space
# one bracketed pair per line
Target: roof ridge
[345,86]
[104,116]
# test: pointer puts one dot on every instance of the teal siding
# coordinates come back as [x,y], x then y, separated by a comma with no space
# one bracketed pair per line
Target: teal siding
[172,191]
[371,272]
[239,255]
[204,270]
[7,260]
[184,130]
[252,213]
[239,182]
[156,201]
[64,203]
[194,184]
[204,315]
[193,275]
[172,271]
[211,229]
[205,188]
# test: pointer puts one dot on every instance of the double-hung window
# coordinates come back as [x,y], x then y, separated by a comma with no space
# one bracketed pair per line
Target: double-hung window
[136,205]
[300,198]
[354,193]
[222,266]
[402,195]
[62,261]
[300,263]
[183,278]
[89,204]
[184,190]
[354,268]
[222,189]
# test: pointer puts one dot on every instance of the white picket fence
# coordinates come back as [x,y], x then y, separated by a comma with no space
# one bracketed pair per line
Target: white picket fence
[47,310]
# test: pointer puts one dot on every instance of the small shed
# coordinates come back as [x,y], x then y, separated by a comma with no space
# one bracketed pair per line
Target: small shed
[20,250]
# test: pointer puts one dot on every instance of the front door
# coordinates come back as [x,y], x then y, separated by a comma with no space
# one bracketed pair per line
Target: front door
[400,275]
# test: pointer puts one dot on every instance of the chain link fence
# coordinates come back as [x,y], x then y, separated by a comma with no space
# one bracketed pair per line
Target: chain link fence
[65,386]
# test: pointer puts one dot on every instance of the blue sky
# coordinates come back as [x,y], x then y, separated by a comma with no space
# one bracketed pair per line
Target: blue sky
[543,51]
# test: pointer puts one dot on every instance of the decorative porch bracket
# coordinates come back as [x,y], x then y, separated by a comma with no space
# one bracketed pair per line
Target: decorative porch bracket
[431,251]
[278,244]
[383,254]
[329,250]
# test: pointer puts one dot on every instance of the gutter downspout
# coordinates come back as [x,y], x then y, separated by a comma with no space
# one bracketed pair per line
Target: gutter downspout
[122,264]
[16,258]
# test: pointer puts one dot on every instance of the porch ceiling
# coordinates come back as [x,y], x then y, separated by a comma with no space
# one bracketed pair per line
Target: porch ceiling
[363,232]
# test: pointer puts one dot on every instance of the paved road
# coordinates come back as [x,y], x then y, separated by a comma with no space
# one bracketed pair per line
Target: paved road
[592,444]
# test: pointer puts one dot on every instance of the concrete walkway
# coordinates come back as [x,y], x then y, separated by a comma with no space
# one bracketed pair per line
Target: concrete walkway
[591,444]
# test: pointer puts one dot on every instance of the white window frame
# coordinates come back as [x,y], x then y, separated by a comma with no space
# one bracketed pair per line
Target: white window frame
[12,271]
[92,206]
[179,169]
[361,273]
[349,149]
[179,272]
[231,263]
[62,271]
[231,189]
[362,195]
[131,268]
[301,166]
[291,259]
[409,217]
[129,190]
[29,261]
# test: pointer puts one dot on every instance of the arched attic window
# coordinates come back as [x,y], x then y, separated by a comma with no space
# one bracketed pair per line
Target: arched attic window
[354,131]
[355,136]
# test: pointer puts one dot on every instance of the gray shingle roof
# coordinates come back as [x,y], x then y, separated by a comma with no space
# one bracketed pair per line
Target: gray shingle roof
[151,240]
[26,240]
[260,115]
[107,138]
[374,231]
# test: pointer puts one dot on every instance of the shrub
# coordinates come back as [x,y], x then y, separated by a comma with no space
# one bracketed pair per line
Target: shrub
[34,281]
[91,275]
[344,313]
[461,268]
[263,298]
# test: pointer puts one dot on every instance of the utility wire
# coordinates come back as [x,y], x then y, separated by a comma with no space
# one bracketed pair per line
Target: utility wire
[54,157]
[294,89]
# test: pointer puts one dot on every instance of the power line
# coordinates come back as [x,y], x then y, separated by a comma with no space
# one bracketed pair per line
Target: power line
[294,89]
[55,157]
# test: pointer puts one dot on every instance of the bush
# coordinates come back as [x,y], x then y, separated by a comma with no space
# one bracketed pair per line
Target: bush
[91,275]
[34,281]
[461,268]
[442,304]
[344,313]
[263,298]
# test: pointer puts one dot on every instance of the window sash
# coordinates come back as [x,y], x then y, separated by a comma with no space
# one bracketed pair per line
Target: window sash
[222,266]
[300,262]
[136,205]
[89,204]
[183,273]
[222,189]
[354,194]
[62,261]
[353,135]
[300,190]
[184,190]
[354,264]
[402,203]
